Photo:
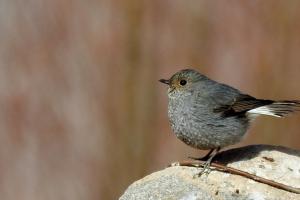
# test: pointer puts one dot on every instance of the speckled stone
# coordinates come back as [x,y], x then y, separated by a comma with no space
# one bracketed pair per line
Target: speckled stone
[272,162]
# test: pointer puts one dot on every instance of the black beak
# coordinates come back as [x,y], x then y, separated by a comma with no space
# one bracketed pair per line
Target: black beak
[164,81]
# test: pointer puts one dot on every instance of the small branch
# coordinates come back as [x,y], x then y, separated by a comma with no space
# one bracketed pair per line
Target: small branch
[223,168]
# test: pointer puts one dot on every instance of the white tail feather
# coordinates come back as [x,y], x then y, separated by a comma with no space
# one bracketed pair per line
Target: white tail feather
[263,110]
[277,109]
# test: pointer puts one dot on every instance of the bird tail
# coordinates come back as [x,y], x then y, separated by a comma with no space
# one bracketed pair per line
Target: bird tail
[277,108]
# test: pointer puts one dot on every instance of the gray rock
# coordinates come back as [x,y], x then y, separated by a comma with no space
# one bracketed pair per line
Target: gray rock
[272,162]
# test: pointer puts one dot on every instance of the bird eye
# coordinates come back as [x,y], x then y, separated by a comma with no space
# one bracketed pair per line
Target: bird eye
[182,82]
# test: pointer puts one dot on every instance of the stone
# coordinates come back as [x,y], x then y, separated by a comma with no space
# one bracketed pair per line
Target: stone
[276,163]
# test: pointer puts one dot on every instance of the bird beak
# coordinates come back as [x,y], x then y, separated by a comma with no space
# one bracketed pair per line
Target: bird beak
[164,81]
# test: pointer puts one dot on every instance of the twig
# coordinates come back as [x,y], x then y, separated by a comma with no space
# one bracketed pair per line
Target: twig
[223,168]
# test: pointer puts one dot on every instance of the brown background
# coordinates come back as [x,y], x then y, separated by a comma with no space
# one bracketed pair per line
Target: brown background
[82,113]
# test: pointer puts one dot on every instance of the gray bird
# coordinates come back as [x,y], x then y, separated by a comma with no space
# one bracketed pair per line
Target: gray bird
[208,115]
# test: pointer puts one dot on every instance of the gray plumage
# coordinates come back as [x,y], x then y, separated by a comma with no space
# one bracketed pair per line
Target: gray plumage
[206,114]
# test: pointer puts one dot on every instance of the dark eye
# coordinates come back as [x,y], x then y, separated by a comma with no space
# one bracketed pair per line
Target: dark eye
[182,82]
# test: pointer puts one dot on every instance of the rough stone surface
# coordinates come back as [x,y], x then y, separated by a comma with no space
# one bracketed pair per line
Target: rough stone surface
[272,162]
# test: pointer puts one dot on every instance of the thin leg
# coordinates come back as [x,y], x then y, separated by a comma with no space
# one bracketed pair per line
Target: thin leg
[206,165]
[204,158]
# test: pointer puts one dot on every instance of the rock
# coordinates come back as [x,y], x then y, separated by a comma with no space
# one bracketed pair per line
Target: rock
[272,162]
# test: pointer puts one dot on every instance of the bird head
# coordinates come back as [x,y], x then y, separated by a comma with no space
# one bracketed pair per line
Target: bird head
[182,81]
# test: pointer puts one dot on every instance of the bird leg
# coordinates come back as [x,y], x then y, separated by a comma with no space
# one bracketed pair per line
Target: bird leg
[204,158]
[206,165]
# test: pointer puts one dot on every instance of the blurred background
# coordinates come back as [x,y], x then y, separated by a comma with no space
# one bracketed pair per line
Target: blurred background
[82,112]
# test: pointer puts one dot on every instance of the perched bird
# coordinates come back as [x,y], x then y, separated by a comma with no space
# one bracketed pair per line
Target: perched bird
[209,115]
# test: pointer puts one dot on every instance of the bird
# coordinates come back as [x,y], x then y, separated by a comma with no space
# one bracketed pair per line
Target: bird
[209,115]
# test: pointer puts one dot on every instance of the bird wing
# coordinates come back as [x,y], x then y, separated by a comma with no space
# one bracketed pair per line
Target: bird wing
[240,105]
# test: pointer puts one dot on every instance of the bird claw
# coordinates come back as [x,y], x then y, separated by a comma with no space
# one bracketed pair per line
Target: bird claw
[205,170]
[206,166]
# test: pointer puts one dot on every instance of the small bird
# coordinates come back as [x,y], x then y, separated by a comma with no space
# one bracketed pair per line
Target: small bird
[208,115]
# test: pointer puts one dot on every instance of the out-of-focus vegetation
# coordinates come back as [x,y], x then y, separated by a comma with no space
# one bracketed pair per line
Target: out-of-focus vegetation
[82,113]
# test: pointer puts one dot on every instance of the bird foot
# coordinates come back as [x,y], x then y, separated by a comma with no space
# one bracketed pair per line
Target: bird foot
[205,169]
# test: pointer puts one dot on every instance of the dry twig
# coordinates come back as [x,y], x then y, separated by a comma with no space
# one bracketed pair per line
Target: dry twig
[223,168]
